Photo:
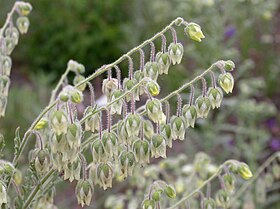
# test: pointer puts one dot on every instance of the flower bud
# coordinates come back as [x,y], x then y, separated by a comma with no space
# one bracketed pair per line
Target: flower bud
[127,163]
[43,123]
[226,81]
[141,148]
[223,199]
[72,170]
[91,123]
[156,195]
[4,85]
[6,167]
[64,96]
[3,194]
[59,122]
[170,191]
[74,66]
[154,111]
[74,135]
[203,106]
[215,96]
[58,142]
[110,142]
[148,204]
[13,33]
[123,136]
[209,203]
[178,127]
[164,62]
[105,175]
[98,152]
[244,171]
[6,62]
[128,84]
[132,125]
[76,96]
[176,52]
[193,30]
[153,88]
[190,115]
[151,70]
[229,65]
[108,86]
[79,79]
[168,134]
[116,107]
[23,24]
[57,161]
[41,161]
[148,129]
[84,192]
[158,146]
[24,8]
[3,104]
[229,183]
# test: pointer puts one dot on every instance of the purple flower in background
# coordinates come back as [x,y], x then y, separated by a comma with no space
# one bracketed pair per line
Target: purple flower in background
[275,144]
[271,123]
[229,31]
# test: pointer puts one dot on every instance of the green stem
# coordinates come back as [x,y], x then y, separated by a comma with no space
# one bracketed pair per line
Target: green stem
[123,57]
[201,186]
[256,175]
[60,82]
[36,189]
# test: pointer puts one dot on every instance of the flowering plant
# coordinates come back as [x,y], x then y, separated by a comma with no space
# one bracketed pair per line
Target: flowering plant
[133,134]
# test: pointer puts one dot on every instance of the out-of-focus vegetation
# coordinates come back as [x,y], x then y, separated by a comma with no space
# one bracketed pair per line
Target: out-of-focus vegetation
[97,32]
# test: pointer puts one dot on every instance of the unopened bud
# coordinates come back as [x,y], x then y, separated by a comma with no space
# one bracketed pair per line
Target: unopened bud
[23,24]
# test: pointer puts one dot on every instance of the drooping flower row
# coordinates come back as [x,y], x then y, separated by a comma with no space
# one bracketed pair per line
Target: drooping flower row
[9,38]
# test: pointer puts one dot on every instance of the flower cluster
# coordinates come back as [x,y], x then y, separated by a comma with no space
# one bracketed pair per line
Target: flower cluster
[9,36]
[137,134]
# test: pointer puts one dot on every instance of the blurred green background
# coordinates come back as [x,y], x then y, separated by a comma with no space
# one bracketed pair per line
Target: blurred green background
[97,32]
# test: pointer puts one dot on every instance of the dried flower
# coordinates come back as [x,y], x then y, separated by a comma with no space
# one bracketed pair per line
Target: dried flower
[202,106]
[178,127]
[215,96]
[59,122]
[105,175]
[164,62]
[158,146]
[84,192]
[176,52]
[154,110]
[141,148]
[151,70]
[127,162]
[189,113]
